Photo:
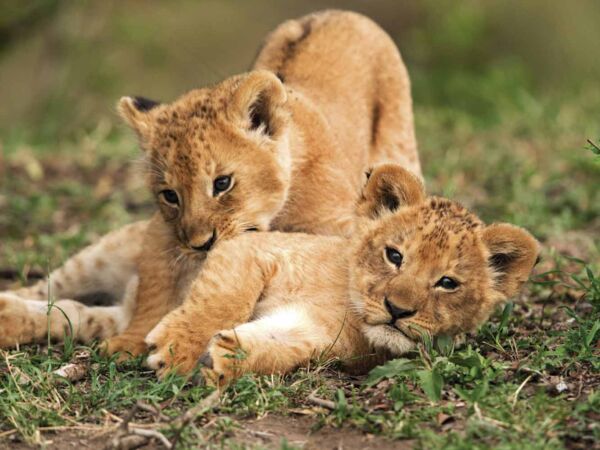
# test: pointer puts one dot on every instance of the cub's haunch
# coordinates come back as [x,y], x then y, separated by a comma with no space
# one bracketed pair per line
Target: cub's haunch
[269,302]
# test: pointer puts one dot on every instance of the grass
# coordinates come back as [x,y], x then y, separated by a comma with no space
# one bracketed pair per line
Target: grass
[528,379]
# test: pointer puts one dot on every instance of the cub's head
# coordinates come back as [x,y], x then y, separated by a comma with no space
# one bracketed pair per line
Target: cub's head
[218,157]
[426,264]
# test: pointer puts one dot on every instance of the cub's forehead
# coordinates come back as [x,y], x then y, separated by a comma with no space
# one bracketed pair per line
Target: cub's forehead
[449,217]
[196,110]
[438,234]
[437,225]
[190,131]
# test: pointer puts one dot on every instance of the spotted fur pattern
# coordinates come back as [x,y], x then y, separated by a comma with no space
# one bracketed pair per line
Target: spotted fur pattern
[33,320]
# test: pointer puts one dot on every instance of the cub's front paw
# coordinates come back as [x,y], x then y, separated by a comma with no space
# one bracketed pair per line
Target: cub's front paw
[128,346]
[224,360]
[171,348]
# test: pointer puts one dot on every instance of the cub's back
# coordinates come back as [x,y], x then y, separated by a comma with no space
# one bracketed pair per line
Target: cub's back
[348,65]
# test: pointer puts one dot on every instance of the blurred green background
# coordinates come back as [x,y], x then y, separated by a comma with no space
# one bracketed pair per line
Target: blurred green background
[507,108]
[506,97]
[63,64]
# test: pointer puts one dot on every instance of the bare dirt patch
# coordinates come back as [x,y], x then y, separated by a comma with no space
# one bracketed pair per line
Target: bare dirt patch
[270,431]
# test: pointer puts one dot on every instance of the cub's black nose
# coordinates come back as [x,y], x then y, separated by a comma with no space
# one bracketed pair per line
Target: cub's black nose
[397,313]
[208,244]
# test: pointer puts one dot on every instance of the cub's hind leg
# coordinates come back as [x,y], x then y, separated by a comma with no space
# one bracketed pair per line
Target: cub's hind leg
[28,321]
[102,269]
[285,339]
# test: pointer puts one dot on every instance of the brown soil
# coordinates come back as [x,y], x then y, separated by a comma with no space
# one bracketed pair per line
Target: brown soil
[267,432]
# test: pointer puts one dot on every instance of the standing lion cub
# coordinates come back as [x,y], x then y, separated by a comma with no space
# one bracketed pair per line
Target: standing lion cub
[282,147]
[269,302]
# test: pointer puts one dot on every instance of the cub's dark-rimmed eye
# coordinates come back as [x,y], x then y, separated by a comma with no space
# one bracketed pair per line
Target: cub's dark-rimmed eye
[170,196]
[447,283]
[393,256]
[221,184]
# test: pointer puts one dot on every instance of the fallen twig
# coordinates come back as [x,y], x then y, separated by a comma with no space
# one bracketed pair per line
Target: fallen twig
[321,402]
[127,442]
[151,409]
[515,396]
[149,434]
[128,437]
[191,414]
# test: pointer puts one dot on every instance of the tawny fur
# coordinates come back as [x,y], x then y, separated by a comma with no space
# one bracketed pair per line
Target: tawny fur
[24,320]
[328,96]
[270,302]
[103,269]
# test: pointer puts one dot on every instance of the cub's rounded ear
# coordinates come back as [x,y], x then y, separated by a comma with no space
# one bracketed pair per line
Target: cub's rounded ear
[389,187]
[134,111]
[513,254]
[257,103]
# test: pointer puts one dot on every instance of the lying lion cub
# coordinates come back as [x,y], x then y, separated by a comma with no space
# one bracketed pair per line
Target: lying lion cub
[282,147]
[269,302]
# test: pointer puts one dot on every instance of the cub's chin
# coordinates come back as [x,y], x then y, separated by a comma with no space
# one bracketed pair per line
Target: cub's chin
[388,338]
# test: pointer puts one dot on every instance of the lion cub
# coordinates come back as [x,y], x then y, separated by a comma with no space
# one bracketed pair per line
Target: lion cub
[269,302]
[282,147]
